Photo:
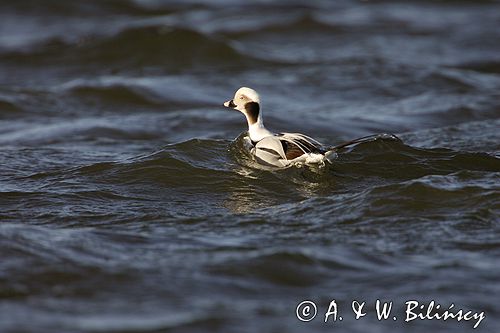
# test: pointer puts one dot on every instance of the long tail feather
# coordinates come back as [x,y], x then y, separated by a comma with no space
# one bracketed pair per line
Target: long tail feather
[368,138]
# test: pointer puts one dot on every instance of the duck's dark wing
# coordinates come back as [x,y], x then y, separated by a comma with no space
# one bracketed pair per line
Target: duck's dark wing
[291,150]
[278,149]
[296,144]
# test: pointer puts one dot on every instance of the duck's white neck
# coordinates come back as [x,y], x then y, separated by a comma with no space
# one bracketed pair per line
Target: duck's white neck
[257,131]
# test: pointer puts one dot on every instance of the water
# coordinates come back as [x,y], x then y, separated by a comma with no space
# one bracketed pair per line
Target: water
[127,204]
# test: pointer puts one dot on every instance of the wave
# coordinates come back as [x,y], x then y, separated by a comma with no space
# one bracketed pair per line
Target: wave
[307,23]
[8,108]
[397,160]
[217,176]
[204,162]
[202,157]
[297,268]
[221,168]
[135,48]
[485,66]
[160,92]
[88,7]
[85,129]
[117,94]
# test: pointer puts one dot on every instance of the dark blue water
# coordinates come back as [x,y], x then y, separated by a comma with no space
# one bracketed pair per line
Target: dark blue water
[127,203]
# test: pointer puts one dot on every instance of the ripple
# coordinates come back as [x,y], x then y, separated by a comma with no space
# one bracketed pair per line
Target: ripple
[485,66]
[165,46]
[290,268]
[118,93]
[92,7]
[8,109]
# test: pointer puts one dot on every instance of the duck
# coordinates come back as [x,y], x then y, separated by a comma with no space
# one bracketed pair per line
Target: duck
[282,149]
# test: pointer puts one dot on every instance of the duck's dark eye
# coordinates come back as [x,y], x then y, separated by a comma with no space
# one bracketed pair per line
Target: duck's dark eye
[241,97]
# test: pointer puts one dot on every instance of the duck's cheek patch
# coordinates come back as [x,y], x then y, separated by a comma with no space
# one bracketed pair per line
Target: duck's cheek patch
[252,110]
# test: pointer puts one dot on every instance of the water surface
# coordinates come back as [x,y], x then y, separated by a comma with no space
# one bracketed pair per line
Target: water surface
[127,205]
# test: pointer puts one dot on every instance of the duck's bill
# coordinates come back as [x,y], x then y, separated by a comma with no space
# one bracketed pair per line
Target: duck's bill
[229,104]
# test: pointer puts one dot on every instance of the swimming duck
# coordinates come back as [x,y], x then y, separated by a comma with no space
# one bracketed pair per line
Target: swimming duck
[281,149]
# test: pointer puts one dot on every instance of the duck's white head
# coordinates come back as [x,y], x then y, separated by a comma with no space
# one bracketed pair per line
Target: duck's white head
[247,101]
